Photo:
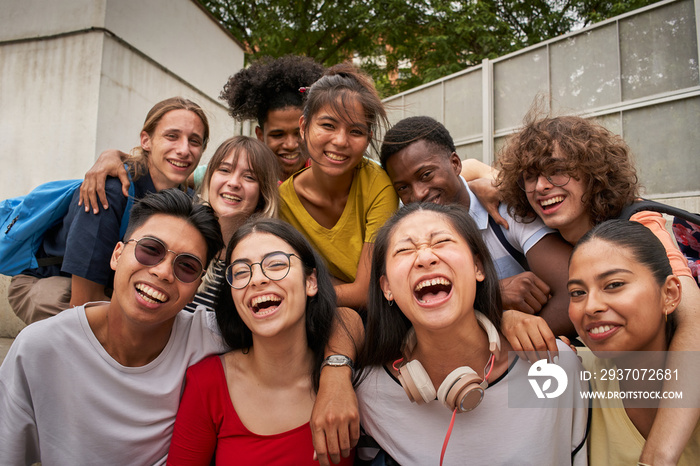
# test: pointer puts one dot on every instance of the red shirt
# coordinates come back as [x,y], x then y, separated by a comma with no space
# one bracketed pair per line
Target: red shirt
[207,424]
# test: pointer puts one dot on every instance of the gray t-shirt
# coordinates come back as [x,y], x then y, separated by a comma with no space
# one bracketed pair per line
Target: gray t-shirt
[64,400]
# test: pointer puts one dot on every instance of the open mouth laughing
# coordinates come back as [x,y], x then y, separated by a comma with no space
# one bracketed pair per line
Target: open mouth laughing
[601,331]
[431,290]
[231,197]
[335,157]
[179,164]
[265,304]
[289,157]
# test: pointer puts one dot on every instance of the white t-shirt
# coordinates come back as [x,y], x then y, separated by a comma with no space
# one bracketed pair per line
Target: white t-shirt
[64,400]
[522,236]
[493,433]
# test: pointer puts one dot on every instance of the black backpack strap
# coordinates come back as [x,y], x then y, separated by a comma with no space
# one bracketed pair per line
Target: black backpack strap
[49,261]
[515,254]
[58,260]
[382,458]
[646,204]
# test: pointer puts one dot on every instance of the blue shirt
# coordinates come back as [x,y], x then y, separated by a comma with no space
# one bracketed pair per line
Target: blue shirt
[86,240]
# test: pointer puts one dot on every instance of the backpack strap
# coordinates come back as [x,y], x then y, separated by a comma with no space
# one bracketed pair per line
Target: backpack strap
[58,260]
[646,204]
[515,254]
[129,204]
[49,261]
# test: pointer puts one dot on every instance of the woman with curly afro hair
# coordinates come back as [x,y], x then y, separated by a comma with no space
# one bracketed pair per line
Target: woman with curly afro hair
[575,174]
[272,92]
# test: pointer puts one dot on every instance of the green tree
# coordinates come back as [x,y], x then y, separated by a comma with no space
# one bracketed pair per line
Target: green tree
[405,43]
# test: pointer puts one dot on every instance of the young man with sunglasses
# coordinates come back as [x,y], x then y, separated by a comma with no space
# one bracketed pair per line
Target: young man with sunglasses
[109,395]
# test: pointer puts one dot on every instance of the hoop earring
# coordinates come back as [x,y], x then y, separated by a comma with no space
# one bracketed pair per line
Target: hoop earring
[391,302]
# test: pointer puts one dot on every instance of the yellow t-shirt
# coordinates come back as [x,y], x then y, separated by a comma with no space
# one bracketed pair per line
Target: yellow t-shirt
[613,439]
[372,200]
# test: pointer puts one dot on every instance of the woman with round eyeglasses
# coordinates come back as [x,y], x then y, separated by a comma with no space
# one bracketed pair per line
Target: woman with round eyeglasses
[274,266]
[252,405]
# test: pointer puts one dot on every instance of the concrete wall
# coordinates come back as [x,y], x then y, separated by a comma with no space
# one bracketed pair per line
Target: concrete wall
[78,77]
[49,98]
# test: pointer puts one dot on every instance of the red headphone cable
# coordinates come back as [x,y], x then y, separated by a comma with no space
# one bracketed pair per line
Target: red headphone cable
[490,363]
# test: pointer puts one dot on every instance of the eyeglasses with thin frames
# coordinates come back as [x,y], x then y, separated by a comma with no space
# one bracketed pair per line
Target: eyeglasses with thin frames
[557,176]
[150,251]
[274,265]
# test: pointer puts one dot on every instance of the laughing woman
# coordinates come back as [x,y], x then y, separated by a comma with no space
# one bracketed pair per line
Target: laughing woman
[434,310]
[252,405]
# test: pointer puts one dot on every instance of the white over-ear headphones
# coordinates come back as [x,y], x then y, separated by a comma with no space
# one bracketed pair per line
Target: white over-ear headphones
[462,389]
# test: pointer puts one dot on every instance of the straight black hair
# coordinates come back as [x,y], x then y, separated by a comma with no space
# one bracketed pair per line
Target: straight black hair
[642,244]
[387,325]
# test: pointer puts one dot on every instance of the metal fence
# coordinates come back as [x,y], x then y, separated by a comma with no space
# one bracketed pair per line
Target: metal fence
[636,73]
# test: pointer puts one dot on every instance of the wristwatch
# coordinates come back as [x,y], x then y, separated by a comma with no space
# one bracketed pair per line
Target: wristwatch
[337,360]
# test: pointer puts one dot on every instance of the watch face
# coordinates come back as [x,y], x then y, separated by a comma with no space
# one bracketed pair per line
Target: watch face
[338,360]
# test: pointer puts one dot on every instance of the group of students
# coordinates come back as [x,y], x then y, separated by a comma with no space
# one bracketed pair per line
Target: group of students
[446,287]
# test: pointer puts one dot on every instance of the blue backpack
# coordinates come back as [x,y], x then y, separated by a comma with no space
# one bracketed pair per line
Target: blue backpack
[25,220]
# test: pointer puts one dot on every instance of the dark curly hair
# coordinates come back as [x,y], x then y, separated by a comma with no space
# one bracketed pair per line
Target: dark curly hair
[601,159]
[413,129]
[269,84]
